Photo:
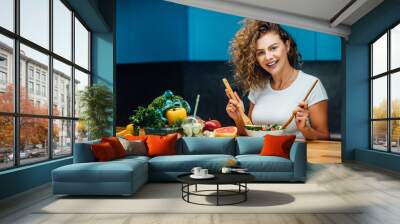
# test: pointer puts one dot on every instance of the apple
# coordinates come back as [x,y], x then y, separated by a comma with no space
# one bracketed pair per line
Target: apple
[211,125]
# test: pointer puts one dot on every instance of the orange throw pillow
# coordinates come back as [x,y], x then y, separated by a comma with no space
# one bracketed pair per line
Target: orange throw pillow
[103,152]
[135,138]
[161,145]
[277,145]
[116,145]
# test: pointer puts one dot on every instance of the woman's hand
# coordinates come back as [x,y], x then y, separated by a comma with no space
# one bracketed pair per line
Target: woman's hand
[232,106]
[302,115]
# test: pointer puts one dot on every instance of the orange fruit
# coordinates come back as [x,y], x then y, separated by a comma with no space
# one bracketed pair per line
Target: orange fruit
[230,131]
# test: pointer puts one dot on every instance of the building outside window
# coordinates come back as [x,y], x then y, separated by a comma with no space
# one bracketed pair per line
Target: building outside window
[30,72]
[38,89]
[3,60]
[55,95]
[34,77]
[44,78]
[385,91]
[37,75]
[43,90]
[3,78]
[3,72]
[30,87]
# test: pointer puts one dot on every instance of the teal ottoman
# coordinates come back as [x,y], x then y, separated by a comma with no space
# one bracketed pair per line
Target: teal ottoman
[118,177]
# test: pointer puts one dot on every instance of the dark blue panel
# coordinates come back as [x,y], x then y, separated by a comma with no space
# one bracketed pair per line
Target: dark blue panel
[156,31]
[151,30]
[328,47]
[305,41]
[357,99]
[210,33]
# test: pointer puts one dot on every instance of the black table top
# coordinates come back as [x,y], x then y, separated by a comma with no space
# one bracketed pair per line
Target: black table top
[220,178]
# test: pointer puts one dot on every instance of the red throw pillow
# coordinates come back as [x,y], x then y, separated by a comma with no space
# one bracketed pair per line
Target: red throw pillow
[116,145]
[135,138]
[277,145]
[103,152]
[161,145]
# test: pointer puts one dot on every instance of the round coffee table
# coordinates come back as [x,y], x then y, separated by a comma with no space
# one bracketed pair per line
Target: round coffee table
[238,179]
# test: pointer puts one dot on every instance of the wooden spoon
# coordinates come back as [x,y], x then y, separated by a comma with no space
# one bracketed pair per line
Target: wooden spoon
[231,95]
[305,98]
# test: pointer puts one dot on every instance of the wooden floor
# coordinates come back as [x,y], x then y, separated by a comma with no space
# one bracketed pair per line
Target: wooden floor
[379,190]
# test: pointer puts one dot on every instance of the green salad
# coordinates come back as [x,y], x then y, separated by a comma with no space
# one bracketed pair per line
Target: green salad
[264,127]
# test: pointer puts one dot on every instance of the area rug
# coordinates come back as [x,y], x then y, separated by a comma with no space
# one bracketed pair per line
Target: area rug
[167,198]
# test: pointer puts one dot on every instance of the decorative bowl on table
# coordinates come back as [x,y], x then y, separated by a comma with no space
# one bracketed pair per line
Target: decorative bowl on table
[262,130]
[161,131]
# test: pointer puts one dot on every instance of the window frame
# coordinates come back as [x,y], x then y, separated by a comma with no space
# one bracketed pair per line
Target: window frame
[388,74]
[16,114]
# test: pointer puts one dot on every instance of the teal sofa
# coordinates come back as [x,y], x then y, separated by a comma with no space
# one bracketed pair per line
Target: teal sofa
[125,176]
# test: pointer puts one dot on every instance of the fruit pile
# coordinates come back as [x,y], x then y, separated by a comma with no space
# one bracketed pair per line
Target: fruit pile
[165,111]
[169,113]
[213,128]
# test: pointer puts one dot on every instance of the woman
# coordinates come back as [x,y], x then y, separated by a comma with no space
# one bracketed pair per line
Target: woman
[265,58]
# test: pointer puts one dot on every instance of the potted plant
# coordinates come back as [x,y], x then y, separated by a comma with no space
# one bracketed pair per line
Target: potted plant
[96,102]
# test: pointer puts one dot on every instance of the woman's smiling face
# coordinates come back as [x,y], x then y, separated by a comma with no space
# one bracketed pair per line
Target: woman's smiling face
[272,53]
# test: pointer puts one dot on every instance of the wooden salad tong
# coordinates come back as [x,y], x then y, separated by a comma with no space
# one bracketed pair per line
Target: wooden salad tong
[305,98]
[231,95]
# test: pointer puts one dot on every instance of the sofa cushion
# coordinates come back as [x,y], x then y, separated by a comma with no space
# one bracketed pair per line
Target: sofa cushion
[277,145]
[112,171]
[257,163]
[116,145]
[206,145]
[161,145]
[134,147]
[103,152]
[249,145]
[185,163]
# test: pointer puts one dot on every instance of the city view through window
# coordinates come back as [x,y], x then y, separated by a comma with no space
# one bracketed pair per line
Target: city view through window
[39,114]
[385,82]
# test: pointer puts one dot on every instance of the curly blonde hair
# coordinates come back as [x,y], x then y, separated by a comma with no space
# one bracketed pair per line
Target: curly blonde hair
[247,72]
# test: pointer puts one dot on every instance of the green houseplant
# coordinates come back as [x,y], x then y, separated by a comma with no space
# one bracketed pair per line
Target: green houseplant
[96,102]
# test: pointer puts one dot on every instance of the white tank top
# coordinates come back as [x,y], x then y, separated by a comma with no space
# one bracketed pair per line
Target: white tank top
[275,106]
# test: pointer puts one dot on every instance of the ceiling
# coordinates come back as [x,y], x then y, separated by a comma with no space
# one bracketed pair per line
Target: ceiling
[327,16]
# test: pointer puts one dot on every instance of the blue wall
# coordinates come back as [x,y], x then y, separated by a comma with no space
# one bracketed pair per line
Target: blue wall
[151,30]
[193,34]
[24,178]
[209,34]
[328,47]
[103,64]
[305,41]
[103,59]
[356,133]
